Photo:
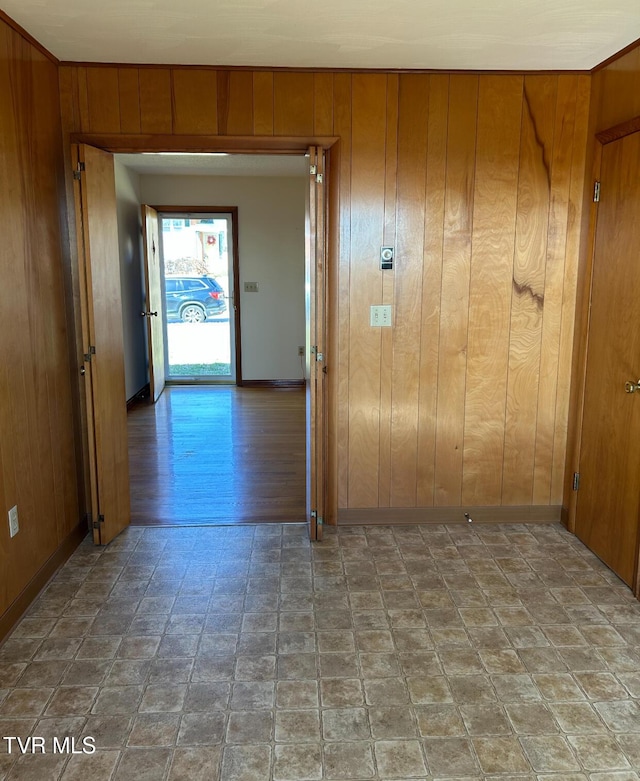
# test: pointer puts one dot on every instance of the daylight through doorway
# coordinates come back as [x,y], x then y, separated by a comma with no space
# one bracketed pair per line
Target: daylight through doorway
[197,268]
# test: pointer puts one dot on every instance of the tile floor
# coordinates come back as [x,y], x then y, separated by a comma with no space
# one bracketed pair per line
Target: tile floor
[246,654]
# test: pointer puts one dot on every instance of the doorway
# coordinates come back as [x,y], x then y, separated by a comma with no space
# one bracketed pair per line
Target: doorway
[90,210]
[200,269]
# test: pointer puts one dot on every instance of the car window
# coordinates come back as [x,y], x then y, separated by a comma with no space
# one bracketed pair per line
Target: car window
[193,284]
[173,285]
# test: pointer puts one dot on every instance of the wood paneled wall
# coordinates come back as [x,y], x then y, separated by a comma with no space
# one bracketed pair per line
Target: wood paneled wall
[616,91]
[477,181]
[37,450]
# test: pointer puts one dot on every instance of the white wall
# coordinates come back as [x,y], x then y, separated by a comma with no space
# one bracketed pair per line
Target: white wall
[271,251]
[131,279]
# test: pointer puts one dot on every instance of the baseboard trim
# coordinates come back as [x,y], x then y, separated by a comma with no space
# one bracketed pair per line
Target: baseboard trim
[390,516]
[141,396]
[282,384]
[21,603]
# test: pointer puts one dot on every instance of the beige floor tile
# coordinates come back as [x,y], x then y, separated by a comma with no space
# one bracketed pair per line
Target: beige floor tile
[598,752]
[143,764]
[195,764]
[297,763]
[233,653]
[154,729]
[246,763]
[453,757]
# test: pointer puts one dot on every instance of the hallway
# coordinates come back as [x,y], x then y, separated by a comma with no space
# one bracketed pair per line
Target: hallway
[218,455]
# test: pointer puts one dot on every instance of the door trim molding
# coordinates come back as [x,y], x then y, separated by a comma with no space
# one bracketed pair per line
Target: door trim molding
[167,142]
[118,143]
[233,211]
[619,131]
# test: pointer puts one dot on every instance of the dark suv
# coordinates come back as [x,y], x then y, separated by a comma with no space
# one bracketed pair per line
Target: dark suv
[193,299]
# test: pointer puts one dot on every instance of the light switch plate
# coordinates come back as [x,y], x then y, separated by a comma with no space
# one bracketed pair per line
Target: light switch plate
[380,316]
[250,287]
[14,527]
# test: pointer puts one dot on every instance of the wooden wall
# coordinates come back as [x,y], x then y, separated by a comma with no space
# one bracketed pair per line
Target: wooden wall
[37,451]
[477,181]
[616,91]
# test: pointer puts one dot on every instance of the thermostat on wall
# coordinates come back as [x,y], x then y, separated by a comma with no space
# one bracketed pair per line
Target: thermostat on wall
[386,258]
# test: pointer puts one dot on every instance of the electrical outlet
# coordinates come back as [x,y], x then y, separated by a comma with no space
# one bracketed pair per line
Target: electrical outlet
[301,350]
[14,527]
[380,316]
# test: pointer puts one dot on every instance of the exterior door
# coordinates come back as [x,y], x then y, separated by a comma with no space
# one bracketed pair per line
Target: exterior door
[154,312]
[608,504]
[316,368]
[101,314]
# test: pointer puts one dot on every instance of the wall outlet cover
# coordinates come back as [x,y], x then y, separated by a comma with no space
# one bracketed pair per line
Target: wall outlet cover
[250,287]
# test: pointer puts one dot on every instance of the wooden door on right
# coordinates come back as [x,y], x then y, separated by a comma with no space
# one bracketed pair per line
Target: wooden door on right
[608,505]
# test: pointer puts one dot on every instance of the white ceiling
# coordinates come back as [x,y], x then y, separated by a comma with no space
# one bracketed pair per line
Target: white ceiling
[216,165]
[389,34]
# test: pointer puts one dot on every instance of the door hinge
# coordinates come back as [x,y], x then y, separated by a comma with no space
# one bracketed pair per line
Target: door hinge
[314,514]
[313,170]
[78,172]
[576,481]
[319,178]
[96,524]
[319,357]
[87,356]
[596,192]
[319,521]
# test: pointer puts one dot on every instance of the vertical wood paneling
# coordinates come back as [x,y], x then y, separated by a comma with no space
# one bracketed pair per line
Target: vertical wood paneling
[293,96]
[263,103]
[454,302]
[554,282]
[470,388]
[323,104]
[369,103]
[83,100]
[431,287]
[494,213]
[68,86]
[103,100]
[388,286]
[37,452]
[569,294]
[412,170]
[342,96]
[618,89]
[156,110]
[527,295]
[129,87]
[235,103]
[195,101]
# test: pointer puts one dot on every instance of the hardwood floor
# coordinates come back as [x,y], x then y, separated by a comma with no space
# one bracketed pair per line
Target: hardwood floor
[218,455]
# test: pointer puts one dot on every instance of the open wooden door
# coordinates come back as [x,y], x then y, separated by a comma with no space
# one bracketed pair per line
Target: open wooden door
[608,505]
[154,312]
[101,313]
[316,368]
